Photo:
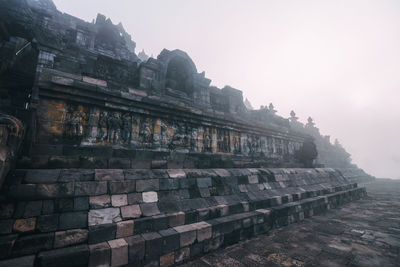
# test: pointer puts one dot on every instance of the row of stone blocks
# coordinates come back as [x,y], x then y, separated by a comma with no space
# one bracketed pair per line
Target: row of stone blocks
[180,243]
[61,156]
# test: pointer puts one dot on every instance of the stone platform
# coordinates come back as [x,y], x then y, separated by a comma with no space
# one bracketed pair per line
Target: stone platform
[80,217]
[362,233]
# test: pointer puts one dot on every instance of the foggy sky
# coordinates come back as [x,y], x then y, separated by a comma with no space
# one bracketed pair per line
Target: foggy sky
[336,61]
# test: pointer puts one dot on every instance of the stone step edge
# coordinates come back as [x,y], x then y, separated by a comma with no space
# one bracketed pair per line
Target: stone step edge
[194,239]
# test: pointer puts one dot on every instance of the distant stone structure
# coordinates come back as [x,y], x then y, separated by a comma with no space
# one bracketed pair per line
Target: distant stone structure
[133,160]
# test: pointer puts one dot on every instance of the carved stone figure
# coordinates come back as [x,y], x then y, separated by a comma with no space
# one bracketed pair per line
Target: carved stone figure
[126,128]
[194,139]
[180,139]
[146,133]
[207,141]
[237,144]
[114,128]
[74,123]
[102,127]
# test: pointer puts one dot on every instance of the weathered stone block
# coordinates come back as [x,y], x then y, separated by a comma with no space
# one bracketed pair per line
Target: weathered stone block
[121,187]
[27,261]
[167,259]
[6,244]
[48,207]
[102,232]
[81,203]
[147,185]
[171,240]
[109,174]
[70,237]
[119,252]
[131,211]
[6,210]
[6,226]
[182,255]
[135,198]
[24,225]
[176,219]
[100,255]
[149,209]
[47,223]
[149,197]
[90,188]
[68,175]
[58,190]
[187,234]
[104,216]
[71,220]
[33,208]
[136,249]
[153,245]
[169,184]
[32,244]
[176,173]
[119,163]
[204,231]
[204,182]
[98,202]
[125,228]
[65,257]
[64,204]
[119,200]
[37,176]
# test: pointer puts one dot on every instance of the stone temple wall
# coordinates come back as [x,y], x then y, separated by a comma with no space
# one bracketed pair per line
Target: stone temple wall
[131,163]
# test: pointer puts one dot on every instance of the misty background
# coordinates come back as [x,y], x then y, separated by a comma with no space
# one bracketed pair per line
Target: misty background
[336,61]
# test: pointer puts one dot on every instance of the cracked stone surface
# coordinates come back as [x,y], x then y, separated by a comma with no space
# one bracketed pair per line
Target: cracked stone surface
[362,233]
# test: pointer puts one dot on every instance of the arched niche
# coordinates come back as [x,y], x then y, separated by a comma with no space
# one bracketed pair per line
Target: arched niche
[179,71]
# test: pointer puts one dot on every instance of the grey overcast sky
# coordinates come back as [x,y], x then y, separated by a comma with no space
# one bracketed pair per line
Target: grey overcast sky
[336,61]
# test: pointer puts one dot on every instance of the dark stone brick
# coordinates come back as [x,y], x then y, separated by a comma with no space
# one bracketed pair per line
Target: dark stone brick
[33,208]
[143,225]
[93,163]
[100,255]
[147,185]
[6,244]
[32,244]
[68,175]
[90,188]
[48,207]
[58,190]
[109,175]
[6,210]
[136,249]
[64,204]
[41,176]
[135,198]
[27,261]
[6,226]
[119,163]
[71,220]
[121,187]
[169,184]
[160,222]
[71,256]
[102,232]
[81,203]
[47,223]
[153,243]
[20,209]
[196,250]
[170,240]
[149,209]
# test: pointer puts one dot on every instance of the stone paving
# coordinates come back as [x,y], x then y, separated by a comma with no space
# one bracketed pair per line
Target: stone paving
[361,233]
